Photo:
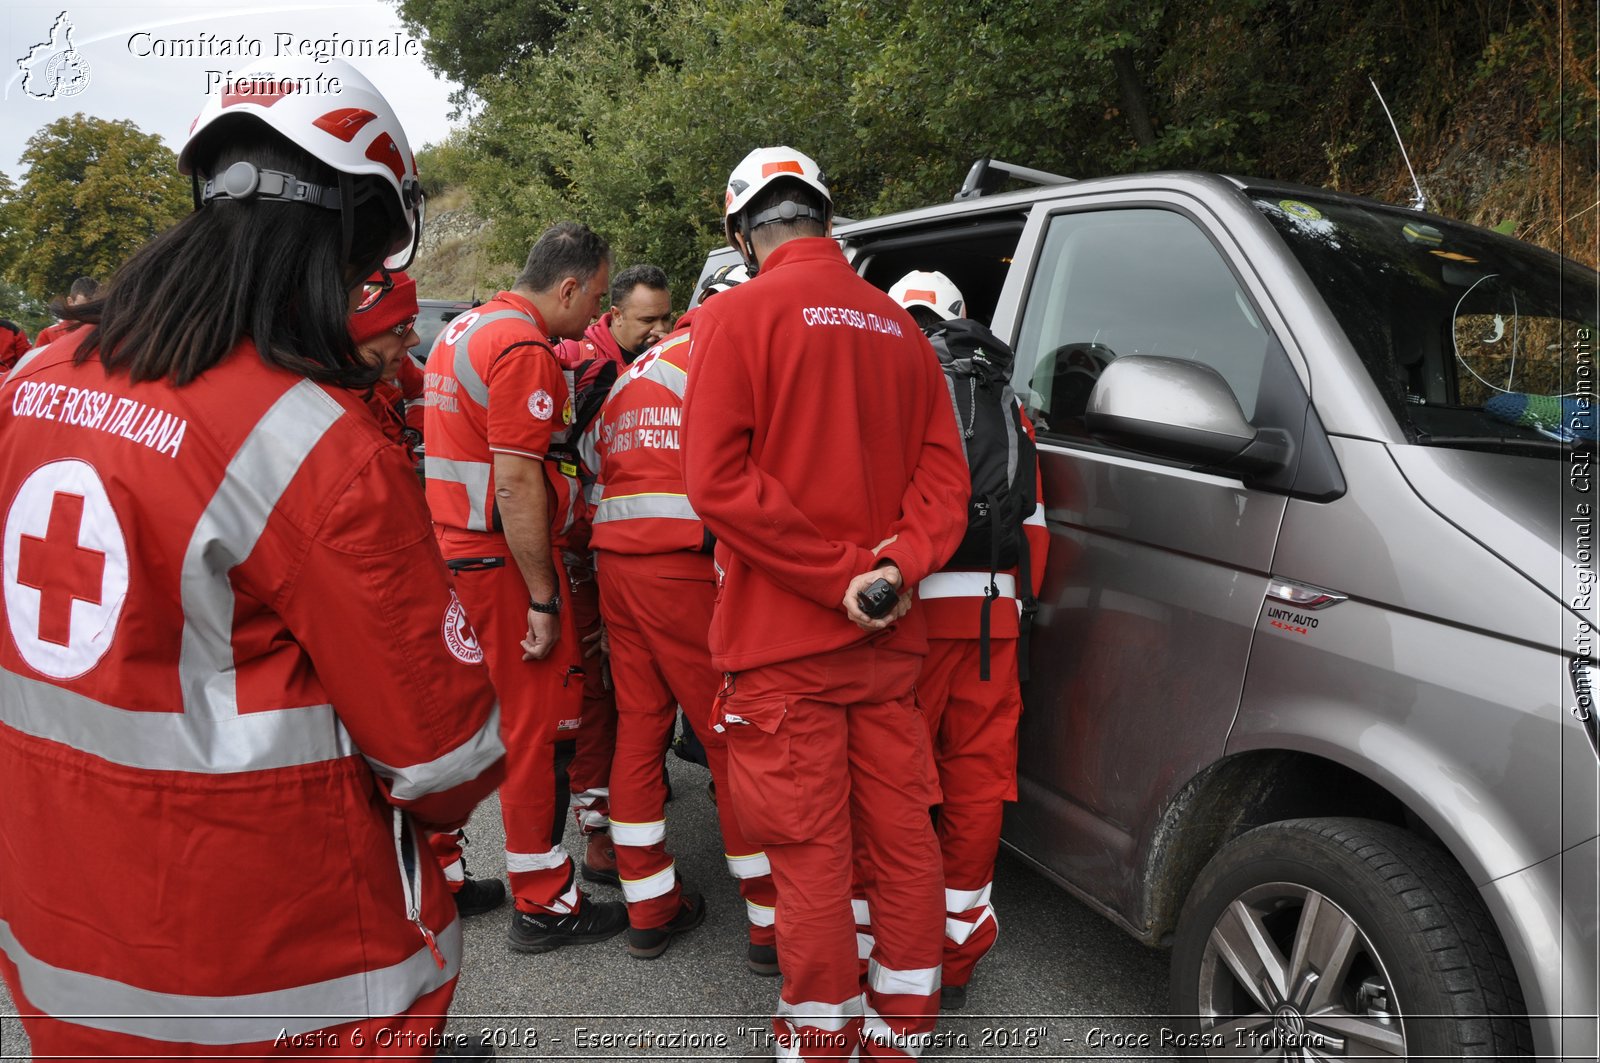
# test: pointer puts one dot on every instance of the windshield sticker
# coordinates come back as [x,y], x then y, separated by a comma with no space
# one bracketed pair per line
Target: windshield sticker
[1297,209]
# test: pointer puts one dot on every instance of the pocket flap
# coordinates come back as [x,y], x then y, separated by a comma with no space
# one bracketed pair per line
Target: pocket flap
[764,714]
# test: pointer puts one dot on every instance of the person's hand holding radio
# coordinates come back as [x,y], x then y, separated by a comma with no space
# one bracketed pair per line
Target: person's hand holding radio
[873,599]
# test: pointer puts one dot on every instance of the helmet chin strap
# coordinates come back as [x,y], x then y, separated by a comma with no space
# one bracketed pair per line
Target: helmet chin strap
[347,216]
[747,250]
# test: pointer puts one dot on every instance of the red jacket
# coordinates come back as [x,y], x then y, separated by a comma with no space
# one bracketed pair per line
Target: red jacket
[13,344]
[492,385]
[643,507]
[597,342]
[233,653]
[54,331]
[816,425]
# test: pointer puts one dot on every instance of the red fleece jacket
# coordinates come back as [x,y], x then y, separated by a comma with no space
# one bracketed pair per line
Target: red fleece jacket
[816,426]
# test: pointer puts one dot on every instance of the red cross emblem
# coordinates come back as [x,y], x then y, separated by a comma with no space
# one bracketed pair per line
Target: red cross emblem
[66,569]
[61,570]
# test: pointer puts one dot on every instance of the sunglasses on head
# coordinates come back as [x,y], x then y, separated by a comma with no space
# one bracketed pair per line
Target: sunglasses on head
[372,293]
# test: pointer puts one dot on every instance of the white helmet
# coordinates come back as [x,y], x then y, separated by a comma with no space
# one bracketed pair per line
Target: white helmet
[758,170]
[728,276]
[931,289]
[352,129]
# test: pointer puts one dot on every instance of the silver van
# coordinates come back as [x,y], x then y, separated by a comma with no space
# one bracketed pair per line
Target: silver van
[1310,695]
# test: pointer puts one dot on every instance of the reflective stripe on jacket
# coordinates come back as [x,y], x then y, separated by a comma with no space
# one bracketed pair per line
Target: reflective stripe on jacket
[643,507]
[459,462]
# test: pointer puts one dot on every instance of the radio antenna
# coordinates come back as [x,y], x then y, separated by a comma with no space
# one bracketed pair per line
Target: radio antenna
[1422,201]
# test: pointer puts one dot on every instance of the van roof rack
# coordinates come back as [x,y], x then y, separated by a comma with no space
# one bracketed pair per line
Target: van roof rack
[988,176]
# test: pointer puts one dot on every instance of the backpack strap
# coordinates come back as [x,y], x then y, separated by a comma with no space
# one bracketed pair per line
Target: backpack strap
[992,591]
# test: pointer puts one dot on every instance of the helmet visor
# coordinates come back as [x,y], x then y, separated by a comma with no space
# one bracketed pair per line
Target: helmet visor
[404,250]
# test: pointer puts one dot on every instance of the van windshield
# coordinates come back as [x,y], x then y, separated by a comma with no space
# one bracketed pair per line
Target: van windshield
[1474,339]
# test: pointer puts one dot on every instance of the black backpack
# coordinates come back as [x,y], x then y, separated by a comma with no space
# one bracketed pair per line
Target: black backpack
[589,383]
[1002,460]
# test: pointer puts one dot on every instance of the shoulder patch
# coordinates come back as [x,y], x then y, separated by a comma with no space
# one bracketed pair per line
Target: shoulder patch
[541,405]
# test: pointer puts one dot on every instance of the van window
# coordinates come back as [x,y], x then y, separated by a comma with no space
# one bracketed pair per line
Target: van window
[1138,281]
[1473,339]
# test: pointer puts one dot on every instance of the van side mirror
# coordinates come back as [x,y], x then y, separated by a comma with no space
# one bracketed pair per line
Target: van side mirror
[1180,409]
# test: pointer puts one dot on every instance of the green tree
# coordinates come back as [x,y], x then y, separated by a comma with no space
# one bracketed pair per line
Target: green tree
[27,311]
[628,114]
[94,192]
[468,40]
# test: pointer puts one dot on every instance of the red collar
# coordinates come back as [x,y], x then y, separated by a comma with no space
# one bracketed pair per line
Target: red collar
[804,249]
[517,302]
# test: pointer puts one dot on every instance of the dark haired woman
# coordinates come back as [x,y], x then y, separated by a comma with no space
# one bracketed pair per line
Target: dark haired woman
[237,684]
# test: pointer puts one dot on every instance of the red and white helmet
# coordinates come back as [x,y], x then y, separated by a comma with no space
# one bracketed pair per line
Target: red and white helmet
[354,130]
[931,289]
[758,170]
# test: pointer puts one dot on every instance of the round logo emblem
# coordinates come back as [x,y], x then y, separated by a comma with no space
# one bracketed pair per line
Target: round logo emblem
[459,638]
[541,405]
[459,326]
[66,74]
[66,569]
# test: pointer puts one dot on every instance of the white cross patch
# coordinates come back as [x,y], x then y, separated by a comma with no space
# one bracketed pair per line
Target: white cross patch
[66,569]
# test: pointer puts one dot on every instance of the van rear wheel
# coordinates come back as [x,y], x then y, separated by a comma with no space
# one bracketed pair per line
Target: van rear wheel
[1324,938]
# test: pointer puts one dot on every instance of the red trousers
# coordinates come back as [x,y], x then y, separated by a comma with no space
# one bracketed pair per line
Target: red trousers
[590,770]
[539,702]
[829,763]
[658,610]
[974,729]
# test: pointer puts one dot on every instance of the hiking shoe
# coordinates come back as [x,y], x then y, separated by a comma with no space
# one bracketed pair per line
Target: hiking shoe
[545,931]
[952,997]
[479,895]
[762,959]
[648,944]
[600,860]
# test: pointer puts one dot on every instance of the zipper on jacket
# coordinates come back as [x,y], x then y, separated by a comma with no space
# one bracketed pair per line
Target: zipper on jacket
[405,850]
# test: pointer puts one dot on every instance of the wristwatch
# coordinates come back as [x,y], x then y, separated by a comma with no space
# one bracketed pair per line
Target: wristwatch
[551,607]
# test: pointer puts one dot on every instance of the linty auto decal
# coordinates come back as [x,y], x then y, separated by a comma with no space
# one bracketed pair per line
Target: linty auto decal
[1290,621]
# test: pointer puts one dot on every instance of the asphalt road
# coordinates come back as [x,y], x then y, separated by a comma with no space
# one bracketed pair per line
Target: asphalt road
[1061,983]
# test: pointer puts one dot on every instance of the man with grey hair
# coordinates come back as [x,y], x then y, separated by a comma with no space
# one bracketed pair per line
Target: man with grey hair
[496,408]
